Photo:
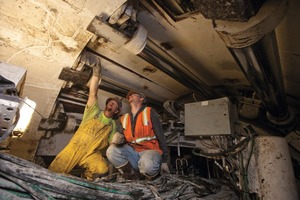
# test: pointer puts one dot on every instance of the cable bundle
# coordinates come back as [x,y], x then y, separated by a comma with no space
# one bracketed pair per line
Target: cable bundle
[21,179]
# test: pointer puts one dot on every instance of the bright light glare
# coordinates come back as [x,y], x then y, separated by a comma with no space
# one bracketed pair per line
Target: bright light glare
[26,111]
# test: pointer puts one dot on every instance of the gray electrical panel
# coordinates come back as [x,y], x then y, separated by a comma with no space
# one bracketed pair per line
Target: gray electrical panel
[208,118]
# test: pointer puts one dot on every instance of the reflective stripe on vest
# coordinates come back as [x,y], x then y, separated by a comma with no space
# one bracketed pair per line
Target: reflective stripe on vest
[145,117]
[143,139]
[124,123]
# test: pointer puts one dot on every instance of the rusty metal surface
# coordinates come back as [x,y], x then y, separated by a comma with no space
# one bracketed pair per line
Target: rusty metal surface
[234,10]
[79,77]
[237,10]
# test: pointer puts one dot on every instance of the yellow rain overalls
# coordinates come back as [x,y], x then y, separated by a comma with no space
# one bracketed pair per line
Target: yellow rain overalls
[84,147]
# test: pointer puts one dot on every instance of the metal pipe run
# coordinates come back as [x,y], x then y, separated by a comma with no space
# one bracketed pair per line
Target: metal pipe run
[140,45]
[164,62]
[108,86]
[261,65]
[254,47]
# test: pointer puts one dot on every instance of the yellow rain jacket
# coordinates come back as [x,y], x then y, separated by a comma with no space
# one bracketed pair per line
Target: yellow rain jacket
[84,147]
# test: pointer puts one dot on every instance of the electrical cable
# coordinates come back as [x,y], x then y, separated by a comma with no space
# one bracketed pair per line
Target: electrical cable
[251,148]
[230,178]
[222,153]
[206,144]
[21,179]
[297,132]
[231,154]
[169,106]
[232,150]
[245,189]
[232,165]
[44,182]
[194,97]
[32,108]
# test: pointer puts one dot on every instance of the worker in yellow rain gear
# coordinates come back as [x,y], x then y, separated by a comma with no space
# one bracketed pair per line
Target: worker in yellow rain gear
[92,136]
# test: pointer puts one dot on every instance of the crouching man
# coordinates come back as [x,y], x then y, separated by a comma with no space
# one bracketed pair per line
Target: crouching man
[140,148]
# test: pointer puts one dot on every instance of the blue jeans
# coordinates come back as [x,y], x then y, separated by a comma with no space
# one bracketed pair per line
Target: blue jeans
[147,162]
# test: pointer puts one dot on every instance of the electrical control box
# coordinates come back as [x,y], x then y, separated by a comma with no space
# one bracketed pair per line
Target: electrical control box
[209,118]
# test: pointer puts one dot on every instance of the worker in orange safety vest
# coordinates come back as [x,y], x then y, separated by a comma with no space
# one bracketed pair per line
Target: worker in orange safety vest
[139,148]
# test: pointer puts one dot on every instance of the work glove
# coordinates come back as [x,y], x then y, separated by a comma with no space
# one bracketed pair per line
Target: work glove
[164,168]
[118,138]
[93,61]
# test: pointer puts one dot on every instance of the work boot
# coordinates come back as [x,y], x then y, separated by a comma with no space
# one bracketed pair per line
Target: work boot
[92,176]
[128,173]
[96,175]
[111,176]
[152,178]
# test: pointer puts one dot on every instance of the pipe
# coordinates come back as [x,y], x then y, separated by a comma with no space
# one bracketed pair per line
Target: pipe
[152,54]
[164,62]
[261,65]
[266,166]
[254,47]
[110,87]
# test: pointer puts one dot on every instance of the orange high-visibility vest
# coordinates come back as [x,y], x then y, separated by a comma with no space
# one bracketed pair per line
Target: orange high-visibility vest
[144,137]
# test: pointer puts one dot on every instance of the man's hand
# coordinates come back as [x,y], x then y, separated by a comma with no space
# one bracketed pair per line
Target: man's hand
[164,168]
[118,138]
[93,61]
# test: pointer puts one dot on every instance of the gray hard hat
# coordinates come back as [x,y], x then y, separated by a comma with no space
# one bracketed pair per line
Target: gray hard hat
[131,92]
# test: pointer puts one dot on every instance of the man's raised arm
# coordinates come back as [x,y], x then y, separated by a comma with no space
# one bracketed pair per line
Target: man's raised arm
[94,62]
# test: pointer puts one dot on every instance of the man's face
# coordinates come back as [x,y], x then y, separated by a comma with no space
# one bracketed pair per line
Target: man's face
[112,106]
[135,98]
